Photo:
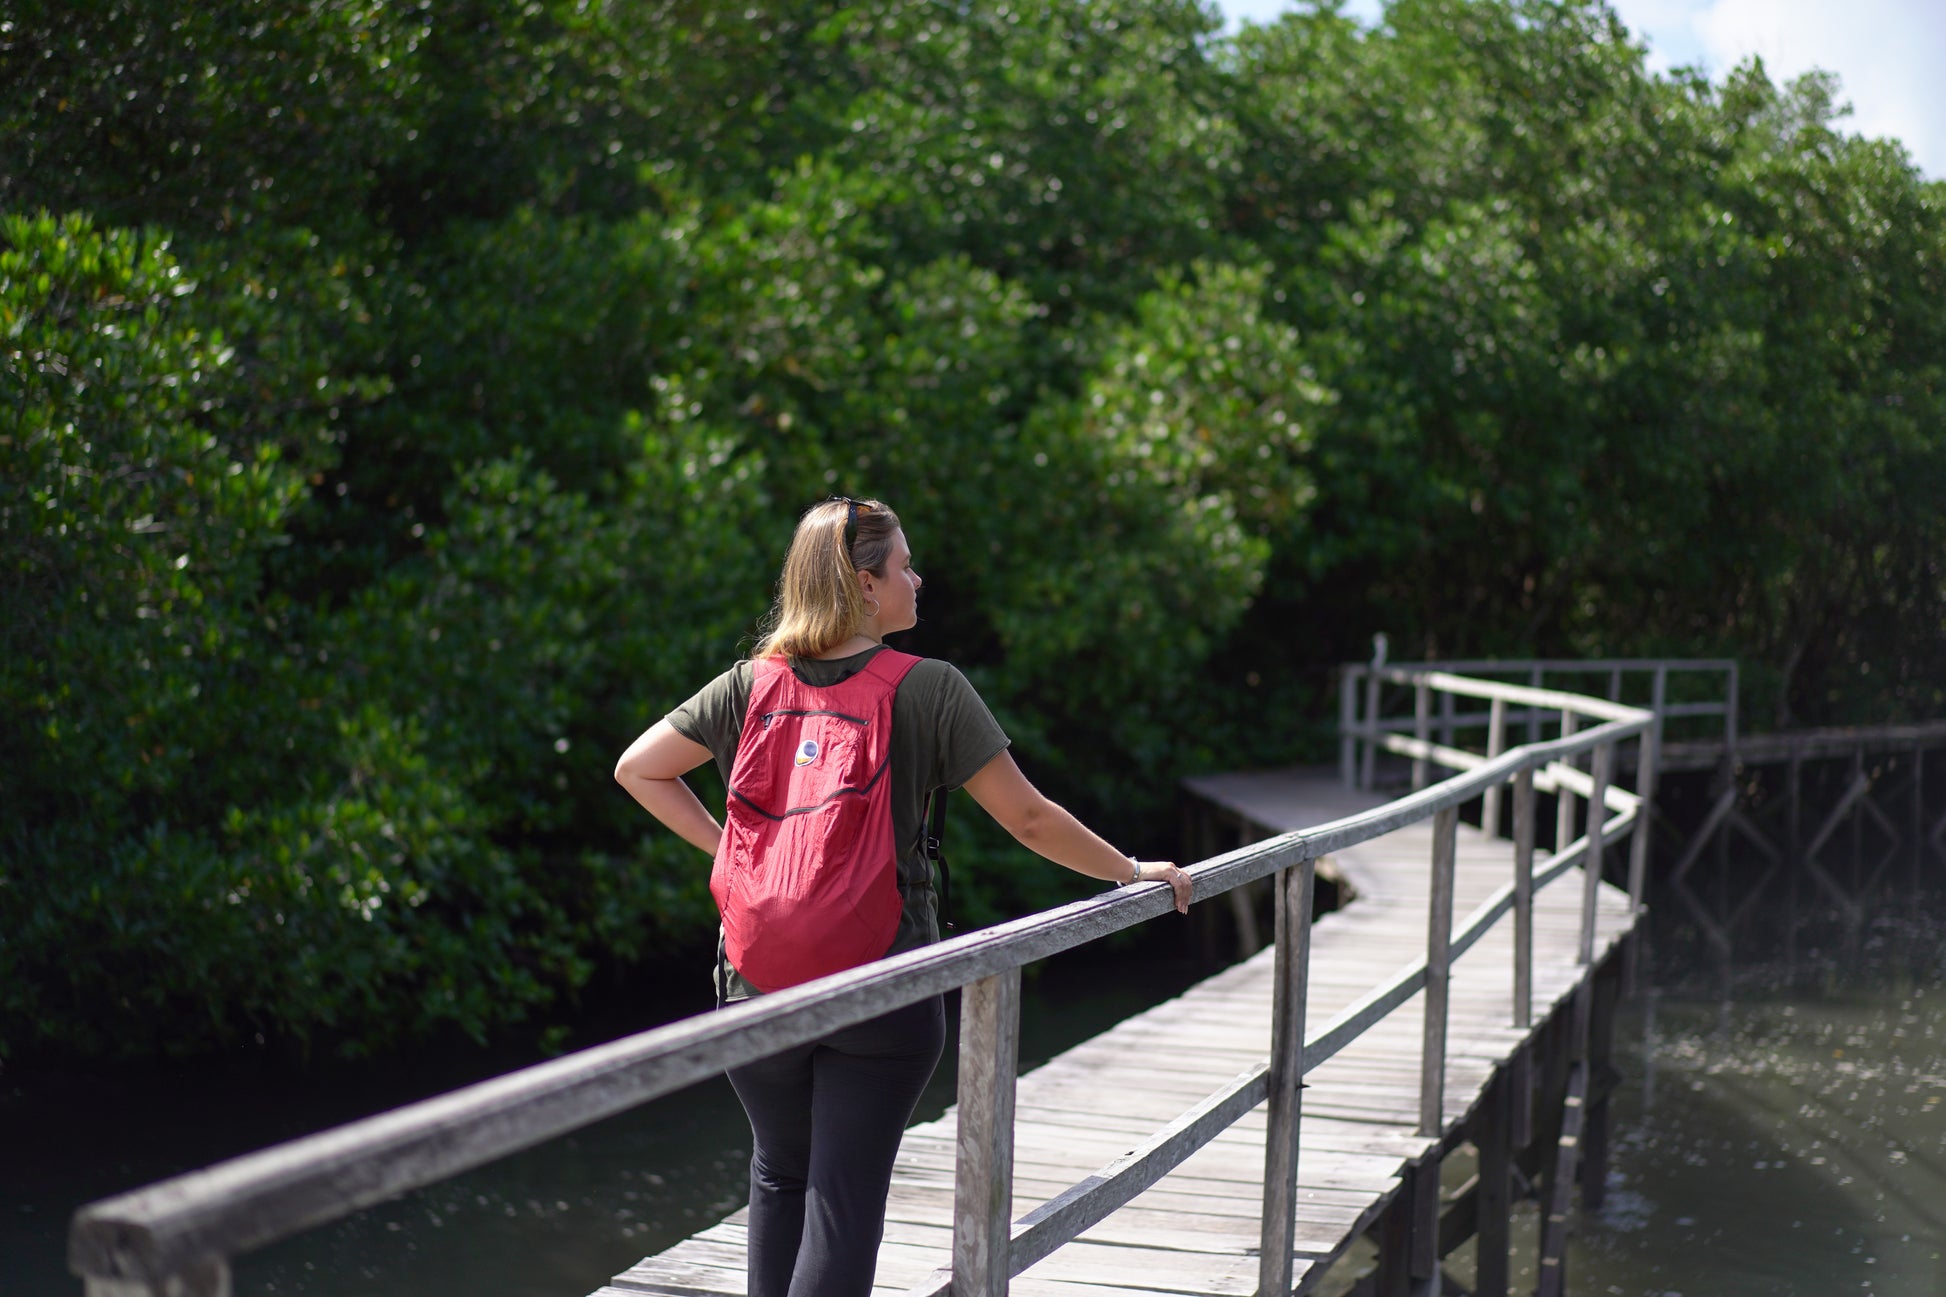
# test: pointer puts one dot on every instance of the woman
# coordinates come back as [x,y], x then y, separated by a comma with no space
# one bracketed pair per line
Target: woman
[826,1118]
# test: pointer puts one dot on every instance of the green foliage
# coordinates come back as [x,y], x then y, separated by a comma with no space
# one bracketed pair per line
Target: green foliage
[405,405]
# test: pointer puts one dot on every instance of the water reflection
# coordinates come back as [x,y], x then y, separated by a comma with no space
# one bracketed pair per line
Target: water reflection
[1791,1141]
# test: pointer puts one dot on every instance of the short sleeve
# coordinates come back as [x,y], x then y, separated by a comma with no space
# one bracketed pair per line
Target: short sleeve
[967,734]
[713,716]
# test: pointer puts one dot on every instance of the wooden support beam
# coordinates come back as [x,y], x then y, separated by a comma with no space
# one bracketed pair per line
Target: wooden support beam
[1277,1246]
[209,1278]
[1726,802]
[1242,899]
[1370,756]
[1564,803]
[1554,1221]
[989,1062]
[1347,725]
[1494,1203]
[1394,1274]
[1439,940]
[1854,915]
[1601,1050]
[1520,1094]
[1591,867]
[1422,1195]
[1524,899]
[1496,744]
[1421,730]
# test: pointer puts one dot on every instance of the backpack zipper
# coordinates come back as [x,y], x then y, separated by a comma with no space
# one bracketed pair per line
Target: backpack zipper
[792,711]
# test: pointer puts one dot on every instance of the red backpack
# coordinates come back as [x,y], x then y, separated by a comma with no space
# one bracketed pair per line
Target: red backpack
[806,876]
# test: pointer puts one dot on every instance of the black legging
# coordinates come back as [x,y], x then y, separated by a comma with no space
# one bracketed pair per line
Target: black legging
[825,1121]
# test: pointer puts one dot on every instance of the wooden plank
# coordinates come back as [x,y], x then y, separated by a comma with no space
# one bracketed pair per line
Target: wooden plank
[1199,1228]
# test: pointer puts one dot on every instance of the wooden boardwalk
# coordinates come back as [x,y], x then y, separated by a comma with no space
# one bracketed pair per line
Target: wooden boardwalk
[1197,1230]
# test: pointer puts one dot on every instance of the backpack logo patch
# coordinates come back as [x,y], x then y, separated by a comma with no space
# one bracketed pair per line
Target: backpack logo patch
[807,752]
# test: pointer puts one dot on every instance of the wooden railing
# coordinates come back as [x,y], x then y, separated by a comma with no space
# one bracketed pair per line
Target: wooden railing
[177,1237]
[1364,719]
[1365,728]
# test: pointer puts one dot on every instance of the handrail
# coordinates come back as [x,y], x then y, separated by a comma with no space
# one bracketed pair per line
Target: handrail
[179,1235]
[1359,734]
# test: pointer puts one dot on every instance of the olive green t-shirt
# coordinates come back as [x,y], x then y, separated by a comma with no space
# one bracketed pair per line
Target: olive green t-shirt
[942,734]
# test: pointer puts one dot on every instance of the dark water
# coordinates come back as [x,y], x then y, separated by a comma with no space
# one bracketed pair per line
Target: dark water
[555,1221]
[1786,1139]
[1781,1136]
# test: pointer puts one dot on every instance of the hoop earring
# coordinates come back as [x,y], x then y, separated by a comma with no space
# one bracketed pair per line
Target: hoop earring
[875,607]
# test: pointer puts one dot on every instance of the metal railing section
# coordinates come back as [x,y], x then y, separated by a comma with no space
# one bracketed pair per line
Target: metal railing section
[177,1237]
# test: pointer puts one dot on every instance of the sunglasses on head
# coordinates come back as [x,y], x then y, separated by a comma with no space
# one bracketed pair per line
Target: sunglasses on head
[851,515]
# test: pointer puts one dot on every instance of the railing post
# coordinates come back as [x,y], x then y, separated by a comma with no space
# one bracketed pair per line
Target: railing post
[1647,770]
[1524,899]
[989,1060]
[1534,678]
[1421,730]
[1730,720]
[1293,973]
[1564,804]
[1591,863]
[1439,940]
[1348,727]
[1370,755]
[1496,743]
[204,1279]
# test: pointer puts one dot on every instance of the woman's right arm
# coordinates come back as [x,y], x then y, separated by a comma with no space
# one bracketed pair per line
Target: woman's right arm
[1043,826]
[652,771]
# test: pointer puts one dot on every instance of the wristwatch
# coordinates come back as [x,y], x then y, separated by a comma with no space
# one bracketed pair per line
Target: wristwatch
[1135,875]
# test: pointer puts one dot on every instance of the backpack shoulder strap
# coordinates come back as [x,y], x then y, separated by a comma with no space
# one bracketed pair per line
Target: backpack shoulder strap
[890,665]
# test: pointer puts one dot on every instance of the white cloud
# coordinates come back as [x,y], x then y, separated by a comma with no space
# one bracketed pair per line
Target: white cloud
[1890,55]
[1887,55]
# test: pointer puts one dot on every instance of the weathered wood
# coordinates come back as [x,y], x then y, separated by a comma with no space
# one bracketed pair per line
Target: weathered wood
[203,1279]
[1242,909]
[1554,1226]
[1394,1275]
[1564,796]
[989,1059]
[157,1232]
[1493,1204]
[1439,934]
[1347,726]
[1421,730]
[240,1204]
[1647,774]
[1524,898]
[1805,744]
[1120,1181]
[1193,1229]
[1496,744]
[1520,1093]
[1366,767]
[1422,1206]
[1601,1044]
[1591,870]
[1286,1075]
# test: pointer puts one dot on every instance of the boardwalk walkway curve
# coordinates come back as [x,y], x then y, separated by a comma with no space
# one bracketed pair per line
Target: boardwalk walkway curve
[1215,1174]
